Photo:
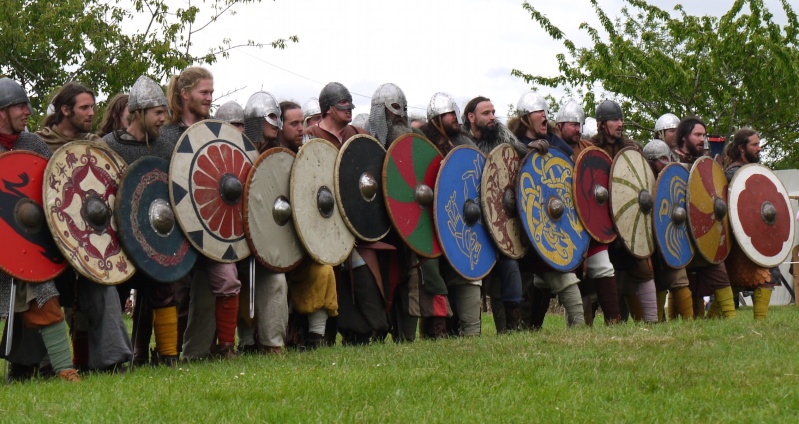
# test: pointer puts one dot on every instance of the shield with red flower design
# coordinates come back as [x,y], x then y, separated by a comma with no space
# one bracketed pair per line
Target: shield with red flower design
[80,187]
[760,215]
[147,228]
[28,251]
[317,219]
[207,174]
[707,210]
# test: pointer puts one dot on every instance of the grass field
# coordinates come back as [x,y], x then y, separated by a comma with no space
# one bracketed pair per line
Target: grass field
[705,371]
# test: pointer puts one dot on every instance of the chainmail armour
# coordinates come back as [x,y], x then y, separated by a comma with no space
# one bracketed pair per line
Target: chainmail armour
[130,149]
[44,291]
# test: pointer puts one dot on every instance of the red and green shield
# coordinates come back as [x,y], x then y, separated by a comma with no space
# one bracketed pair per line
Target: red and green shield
[409,176]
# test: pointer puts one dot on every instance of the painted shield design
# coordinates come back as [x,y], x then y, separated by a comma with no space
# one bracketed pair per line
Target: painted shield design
[409,177]
[498,198]
[708,217]
[28,251]
[760,215]
[459,220]
[316,217]
[80,189]
[207,175]
[358,192]
[671,216]
[631,201]
[592,193]
[267,212]
[546,209]
[147,228]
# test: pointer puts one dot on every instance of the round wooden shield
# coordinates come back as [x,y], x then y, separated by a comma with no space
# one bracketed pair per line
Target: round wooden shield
[409,177]
[546,208]
[760,215]
[358,192]
[592,193]
[671,216]
[28,251]
[707,210]
[632,185]
[498,198]
[207,174]
[267,212]
[464,237]
[316,216]
[147,228]
[80,188]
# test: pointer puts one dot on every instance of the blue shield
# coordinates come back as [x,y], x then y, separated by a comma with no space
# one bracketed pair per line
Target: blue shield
[670,216]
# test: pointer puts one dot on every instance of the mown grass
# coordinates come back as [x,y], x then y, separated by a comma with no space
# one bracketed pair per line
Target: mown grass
[706,371]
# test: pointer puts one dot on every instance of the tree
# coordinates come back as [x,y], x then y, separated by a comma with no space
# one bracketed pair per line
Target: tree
[739,70]
[44,44]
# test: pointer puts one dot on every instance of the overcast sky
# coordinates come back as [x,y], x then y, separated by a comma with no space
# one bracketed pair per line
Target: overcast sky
[465,48]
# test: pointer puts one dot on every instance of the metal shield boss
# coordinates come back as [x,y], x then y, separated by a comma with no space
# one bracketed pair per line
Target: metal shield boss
[498,199]
[207,174]
[632,185]
[409,177]
[28,251]
[592,193]
[708,216]
[464,237]
[316,217]
[267,212]
[546,209]
[148,230]
[671,216]
[760,215]
[359,194]
[80,189]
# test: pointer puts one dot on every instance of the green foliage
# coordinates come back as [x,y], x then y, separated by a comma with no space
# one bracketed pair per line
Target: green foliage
[737,70]
[44,44]
[734,370]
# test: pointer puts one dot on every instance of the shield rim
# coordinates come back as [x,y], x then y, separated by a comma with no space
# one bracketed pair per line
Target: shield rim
[246,209]
[651,178]
[337,184]
[578,254]
[737,230]
[485,227]
[725,221]
[687,229]
[484,204]
[118,159]
[178,217]
[383,176]
[66,264]
[314,255]
[577,204]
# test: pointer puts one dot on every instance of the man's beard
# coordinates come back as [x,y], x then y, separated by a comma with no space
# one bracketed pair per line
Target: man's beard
[153,132]
[751,157]
[397,127]
[692,149]
[488,134]
[198,109]
[80,125]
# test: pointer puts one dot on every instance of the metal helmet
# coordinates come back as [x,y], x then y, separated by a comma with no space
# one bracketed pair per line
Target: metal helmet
[145,94]
[261,107]
[362,121]
[657,149]
[387,96]
[531,101]
[311,108]
[608,110]
[571,111]
[230,112]
[589,128]
[442,103]
[333,93]
[667,122]
[12,93]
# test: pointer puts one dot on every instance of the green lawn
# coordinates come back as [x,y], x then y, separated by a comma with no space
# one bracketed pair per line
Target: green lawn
[706,371]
